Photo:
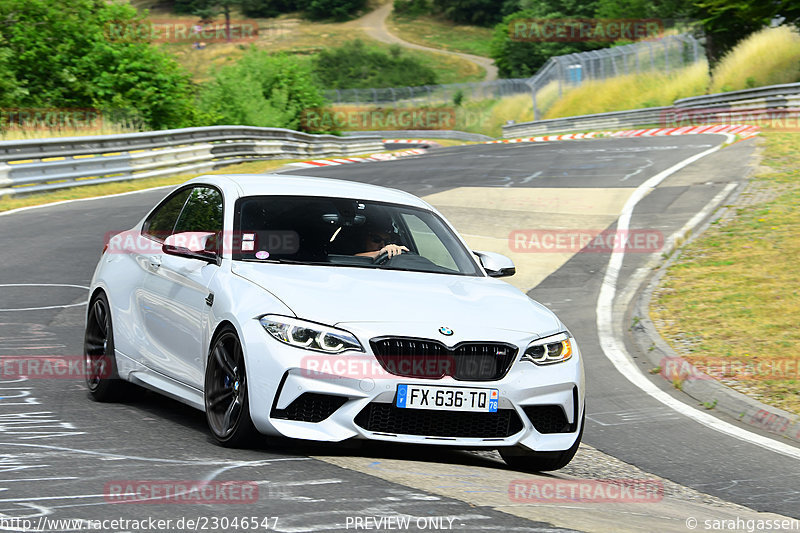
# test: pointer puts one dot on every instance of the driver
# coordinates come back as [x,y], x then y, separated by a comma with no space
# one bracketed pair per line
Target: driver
[376,242]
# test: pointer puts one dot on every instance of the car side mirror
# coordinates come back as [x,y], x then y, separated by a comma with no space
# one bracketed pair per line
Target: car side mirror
[496,265]
[192,245]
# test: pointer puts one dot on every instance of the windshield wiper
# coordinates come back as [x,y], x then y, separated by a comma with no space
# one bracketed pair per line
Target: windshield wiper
[285,261]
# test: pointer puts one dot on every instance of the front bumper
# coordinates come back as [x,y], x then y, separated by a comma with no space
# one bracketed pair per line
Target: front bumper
[292,395]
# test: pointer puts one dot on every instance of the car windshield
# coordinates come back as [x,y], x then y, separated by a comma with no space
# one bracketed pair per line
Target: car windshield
[346,232]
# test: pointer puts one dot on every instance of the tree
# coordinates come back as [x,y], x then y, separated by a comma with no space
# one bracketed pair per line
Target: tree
[478,12]
[726,22]
[69,53]
[517,58]
[267,8]
[331,9]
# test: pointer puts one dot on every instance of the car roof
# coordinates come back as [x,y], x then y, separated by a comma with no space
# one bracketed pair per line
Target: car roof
[293,185]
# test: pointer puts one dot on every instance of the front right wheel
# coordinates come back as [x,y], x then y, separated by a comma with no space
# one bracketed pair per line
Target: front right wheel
[225,391]
[530,461]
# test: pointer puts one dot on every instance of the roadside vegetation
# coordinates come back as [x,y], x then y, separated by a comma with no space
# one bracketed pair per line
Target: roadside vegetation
[436,32]
[767,57]
[733,295]
[633,91]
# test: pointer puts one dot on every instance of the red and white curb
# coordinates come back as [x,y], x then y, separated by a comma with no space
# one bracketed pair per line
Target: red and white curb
[408,141]
[346,160]
[742,130]
[546,138]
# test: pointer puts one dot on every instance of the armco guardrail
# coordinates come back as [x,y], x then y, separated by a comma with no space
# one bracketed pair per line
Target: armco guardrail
[773,97]
[602,121]
[37,165]
[423,134]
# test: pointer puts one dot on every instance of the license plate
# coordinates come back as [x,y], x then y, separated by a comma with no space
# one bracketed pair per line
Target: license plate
[447,398]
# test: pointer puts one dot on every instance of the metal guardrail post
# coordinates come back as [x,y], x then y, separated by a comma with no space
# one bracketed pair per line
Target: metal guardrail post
[780,98]
[47,164]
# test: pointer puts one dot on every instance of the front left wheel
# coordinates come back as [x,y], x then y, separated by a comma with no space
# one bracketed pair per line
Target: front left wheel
[225,391]
[100,371]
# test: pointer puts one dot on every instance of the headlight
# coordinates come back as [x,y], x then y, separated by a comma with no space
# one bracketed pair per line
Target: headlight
[309,336]
[549,350]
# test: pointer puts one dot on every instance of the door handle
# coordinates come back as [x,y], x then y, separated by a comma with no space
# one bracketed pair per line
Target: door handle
[155,262]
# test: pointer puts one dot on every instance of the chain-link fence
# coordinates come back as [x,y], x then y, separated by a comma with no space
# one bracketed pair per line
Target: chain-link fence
[663,55]
[561,72]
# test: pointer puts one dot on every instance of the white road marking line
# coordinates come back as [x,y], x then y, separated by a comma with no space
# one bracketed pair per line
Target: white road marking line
[532,176]
[614,349]
[155,459]
[38,478]
[638,170]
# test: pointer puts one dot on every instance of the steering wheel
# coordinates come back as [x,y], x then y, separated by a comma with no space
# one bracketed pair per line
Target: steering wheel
[383,258]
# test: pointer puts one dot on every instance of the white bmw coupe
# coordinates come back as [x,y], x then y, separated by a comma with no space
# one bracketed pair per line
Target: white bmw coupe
[328,310]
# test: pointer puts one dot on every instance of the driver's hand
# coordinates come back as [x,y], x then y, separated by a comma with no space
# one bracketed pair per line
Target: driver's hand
[393,250]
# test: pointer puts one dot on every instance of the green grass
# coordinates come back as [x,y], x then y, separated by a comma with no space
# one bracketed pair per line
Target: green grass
[735,291]
[437,33]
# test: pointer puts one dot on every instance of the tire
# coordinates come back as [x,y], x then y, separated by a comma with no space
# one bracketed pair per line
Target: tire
[101,375]
[225,392]
[529,461]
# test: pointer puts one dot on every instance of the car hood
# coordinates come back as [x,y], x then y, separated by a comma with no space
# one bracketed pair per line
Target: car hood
[338,295]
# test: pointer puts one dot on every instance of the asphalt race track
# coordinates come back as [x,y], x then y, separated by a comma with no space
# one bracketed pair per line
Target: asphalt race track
[59,450]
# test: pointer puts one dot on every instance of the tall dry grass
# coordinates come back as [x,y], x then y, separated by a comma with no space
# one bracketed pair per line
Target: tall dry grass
[632,91]
[767,57]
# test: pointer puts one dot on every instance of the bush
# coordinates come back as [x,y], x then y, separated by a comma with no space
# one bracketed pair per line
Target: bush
[354,65]
[260,90]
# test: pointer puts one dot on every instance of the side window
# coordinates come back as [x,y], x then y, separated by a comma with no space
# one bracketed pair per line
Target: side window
[428,244]
[203,211]
[160,223]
